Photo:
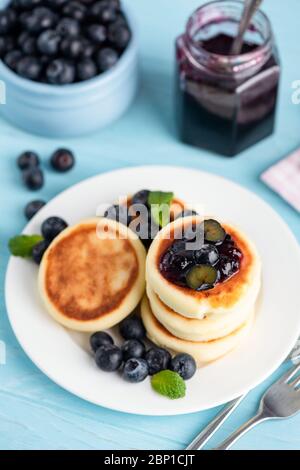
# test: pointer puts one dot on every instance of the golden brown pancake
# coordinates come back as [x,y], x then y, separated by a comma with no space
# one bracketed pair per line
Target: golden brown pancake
[203,352]
[238,292]
[92,275]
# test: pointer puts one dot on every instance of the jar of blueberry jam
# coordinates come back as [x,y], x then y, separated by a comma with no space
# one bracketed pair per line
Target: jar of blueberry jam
[224,102]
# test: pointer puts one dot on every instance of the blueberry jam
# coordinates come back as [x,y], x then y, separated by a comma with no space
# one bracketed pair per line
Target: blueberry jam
[225,103]
[217,259]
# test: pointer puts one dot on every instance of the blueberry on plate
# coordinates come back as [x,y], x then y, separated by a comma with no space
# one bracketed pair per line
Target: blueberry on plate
[135,370]
[184,365]
[132,328]
[108,357]
[48,42]
[107,58]
[133,348]
[33,178]
[60,72]
[62,160]
[100,338]
[141,197]
[27,160]
[29,67]
[39,250]
[52,227]
[32,208]
[158,359]
[118,213]
[86,69]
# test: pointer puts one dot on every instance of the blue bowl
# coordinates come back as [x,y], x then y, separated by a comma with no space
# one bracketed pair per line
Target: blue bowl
[71,110]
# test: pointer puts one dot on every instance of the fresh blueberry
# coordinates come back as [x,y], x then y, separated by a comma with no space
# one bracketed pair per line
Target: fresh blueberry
[135,370]
[108,357]
[38,20]
[119,35]
[27,43]
[12,58]
[7,44]
[100,338]
[29,67]
[88,49]
[97,33]
[118,213]
[56,4]
[132,328]
[133,348]
[71,48]
[141,197]
[75,10]
[33,178]
[28,3]
[32,208]
[208,254]
[107,58]
[86,69]
[7,21]
[27,160]
[62,160]
[52,227]
[60,72]
[68,27]
[184,365]
[39,250]
[105,11]
[48,42]
[158,359]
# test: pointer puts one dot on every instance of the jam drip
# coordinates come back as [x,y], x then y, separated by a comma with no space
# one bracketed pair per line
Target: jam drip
[217,260]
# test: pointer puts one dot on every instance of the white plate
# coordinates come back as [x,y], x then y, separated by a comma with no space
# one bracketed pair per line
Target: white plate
[64,357]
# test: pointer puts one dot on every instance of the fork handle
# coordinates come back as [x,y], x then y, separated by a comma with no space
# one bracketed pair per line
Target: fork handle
[259,418]
[202,438]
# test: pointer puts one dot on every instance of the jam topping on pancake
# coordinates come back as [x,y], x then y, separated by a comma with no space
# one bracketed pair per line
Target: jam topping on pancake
[202,258]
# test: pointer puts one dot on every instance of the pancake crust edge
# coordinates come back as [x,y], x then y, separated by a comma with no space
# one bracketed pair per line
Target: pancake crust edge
[88,284]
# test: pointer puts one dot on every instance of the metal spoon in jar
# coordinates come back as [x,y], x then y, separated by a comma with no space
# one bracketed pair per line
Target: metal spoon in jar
[250,8]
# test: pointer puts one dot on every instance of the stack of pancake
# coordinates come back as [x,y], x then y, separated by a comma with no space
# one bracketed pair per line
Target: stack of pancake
[206,324]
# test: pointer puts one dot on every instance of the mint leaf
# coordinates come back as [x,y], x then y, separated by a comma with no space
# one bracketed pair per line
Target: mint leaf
[169,384]
[22,245]
[159,202]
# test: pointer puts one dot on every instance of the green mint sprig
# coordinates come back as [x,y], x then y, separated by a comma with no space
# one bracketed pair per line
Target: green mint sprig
[169,384]
[22,245]
[159,203]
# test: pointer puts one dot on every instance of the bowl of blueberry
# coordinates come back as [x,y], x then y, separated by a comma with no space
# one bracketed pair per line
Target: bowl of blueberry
[69,66]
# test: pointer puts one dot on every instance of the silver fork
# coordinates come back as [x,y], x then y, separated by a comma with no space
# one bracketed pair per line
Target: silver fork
[203,437]
[281,400]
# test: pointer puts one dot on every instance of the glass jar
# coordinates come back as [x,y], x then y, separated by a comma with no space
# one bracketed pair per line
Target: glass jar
[226,103]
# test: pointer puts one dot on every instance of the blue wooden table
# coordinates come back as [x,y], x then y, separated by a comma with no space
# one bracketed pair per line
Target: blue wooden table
[34,412]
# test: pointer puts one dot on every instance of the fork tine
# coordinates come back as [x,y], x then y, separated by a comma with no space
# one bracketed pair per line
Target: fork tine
[296,382]
[289,374]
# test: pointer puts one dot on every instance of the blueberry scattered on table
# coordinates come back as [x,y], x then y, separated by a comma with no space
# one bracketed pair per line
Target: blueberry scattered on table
[38,251]
[27,160]
[33,178]
[100,338]
[184,364]
[32,208]
[52,227]
[132,328]
[158,359]
[133,348]
[68,32]
[108,357]
[62,160]
[135,370]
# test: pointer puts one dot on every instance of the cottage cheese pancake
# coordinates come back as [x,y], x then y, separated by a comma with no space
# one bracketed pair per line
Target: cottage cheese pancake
[237,294]
[92,275]
[202,352]
[211,327]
